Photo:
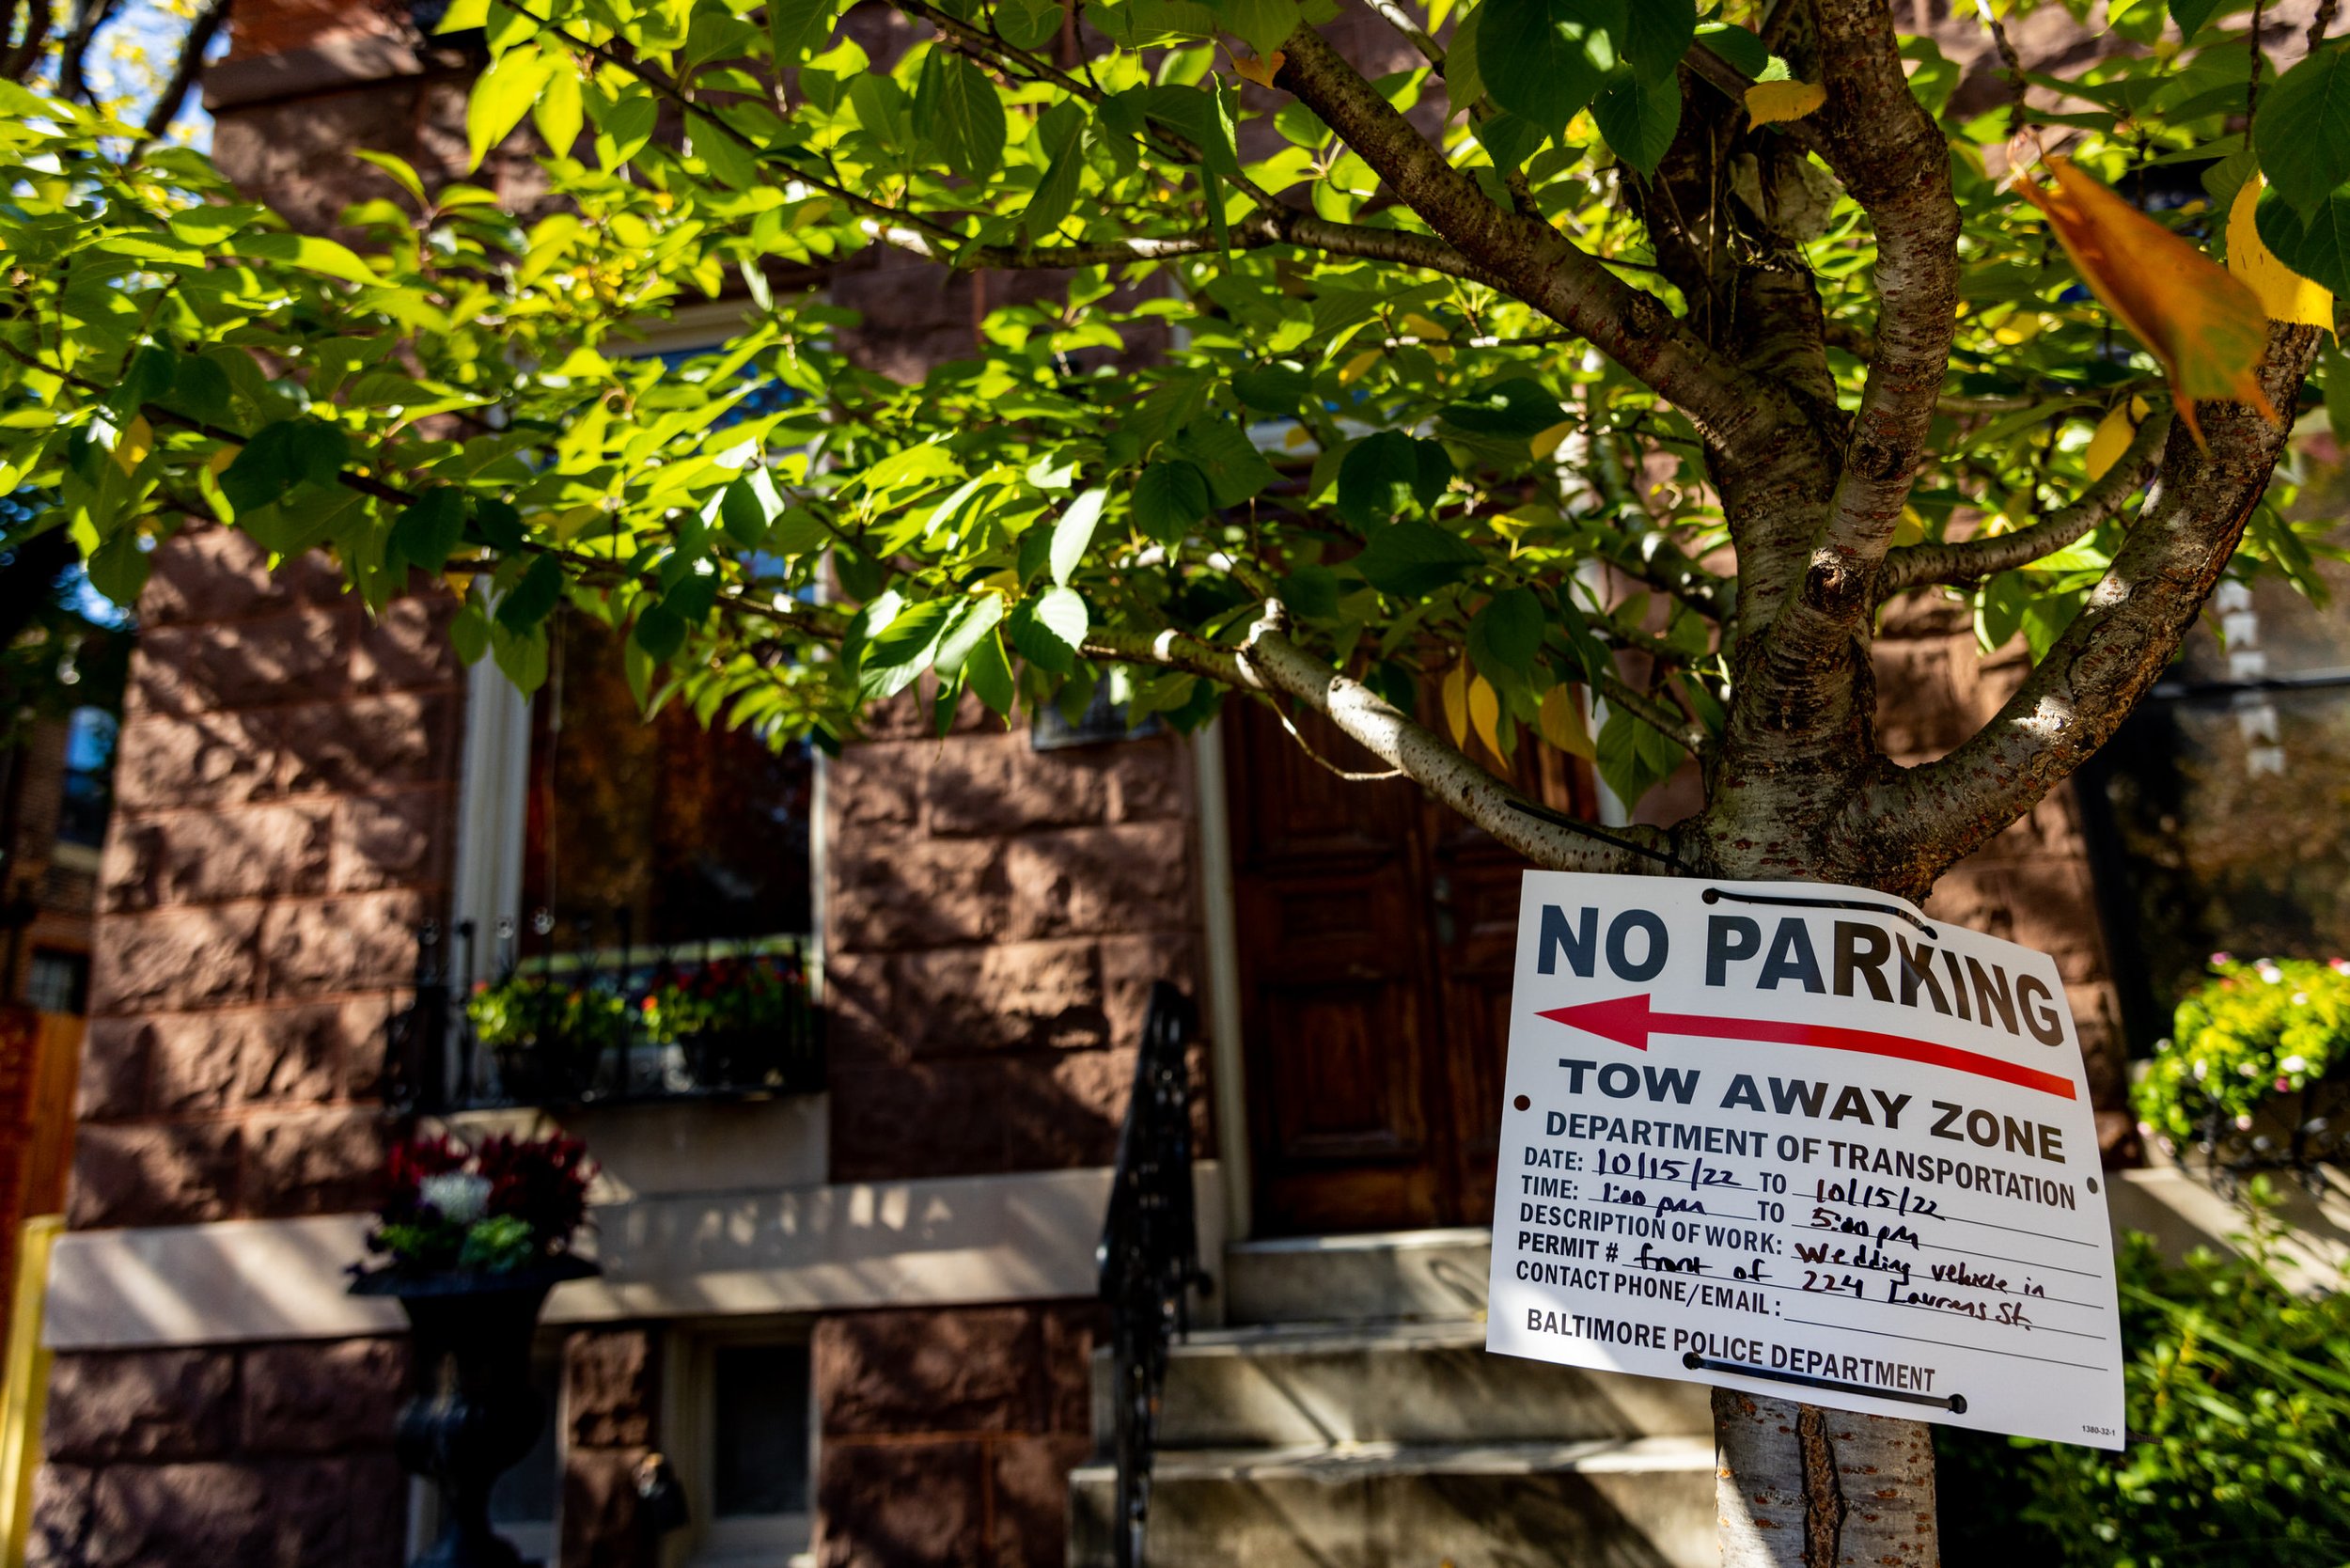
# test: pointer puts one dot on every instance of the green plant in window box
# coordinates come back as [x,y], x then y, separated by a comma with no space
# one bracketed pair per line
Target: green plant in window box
[2253,1032]
[547,1034]
[739,1014]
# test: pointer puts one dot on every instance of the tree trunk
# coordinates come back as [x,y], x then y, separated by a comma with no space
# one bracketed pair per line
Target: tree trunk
[1802,1487]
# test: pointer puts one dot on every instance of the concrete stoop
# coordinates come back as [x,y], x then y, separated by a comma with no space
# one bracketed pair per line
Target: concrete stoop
[1349,1416]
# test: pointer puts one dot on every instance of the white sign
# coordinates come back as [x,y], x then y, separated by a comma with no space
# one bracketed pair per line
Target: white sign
[1801,1140]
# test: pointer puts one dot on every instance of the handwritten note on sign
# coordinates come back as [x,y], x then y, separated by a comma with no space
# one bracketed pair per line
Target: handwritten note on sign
[1800,1139]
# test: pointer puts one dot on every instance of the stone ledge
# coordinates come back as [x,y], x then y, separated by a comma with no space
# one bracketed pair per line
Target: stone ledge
[333,63]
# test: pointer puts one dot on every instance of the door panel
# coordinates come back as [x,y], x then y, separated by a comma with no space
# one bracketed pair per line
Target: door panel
[1377,935]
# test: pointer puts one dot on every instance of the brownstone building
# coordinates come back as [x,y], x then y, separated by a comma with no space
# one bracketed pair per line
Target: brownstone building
[853,1309]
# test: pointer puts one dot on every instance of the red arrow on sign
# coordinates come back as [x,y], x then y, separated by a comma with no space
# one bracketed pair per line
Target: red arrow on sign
[1627,1021]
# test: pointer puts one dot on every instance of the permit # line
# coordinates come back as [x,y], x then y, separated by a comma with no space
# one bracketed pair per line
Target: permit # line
[1946,1344]
[1954,1404]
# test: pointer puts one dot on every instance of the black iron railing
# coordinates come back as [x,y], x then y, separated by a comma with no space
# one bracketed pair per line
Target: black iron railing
[1148,1257]
[2294,1135]
[591,1024]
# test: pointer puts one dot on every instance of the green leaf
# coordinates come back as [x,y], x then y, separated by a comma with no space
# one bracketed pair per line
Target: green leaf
[533,598]
[398,170]
[1311,593]
[499,525]
[2317,247]
[1235,470]
[1262,23]
[469,631]
[118,568]
[2191,14]
[973,624]
[1057,192]
[1638,120]
[2302,131]
[557,112]
[311,254]
[902,650]
[1464,85]
[1516,408]
[659,631]
[281,456]
[425,533]
[798,28]
[1385,472]
[1545,59]
[988,673]
[1028,24]
[500,98]
[1411,559]
[624,128]
[1656,34]
[1049,629]
[523,655]
[956,111]
[1736,44]
[1073,532]
[747,505]
[1634,756]
[1509,631]
[1280,387]
[1170,497]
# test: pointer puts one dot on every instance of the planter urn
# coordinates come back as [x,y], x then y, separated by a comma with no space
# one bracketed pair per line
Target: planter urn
[472,1413]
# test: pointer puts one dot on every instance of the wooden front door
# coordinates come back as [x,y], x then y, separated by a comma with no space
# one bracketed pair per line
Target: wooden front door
[1377,933]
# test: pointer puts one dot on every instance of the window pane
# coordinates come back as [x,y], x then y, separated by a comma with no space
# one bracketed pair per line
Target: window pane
[759,1448]
[56,982]
[674,834]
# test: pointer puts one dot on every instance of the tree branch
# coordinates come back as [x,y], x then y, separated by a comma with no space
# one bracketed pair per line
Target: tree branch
[1532,260]
[2115,648]
[1893,159]
[201,32]
[1690,737]
[1970,561]
[1442,769]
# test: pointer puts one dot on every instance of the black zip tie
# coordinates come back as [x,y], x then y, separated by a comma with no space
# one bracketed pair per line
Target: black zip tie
[1577,825]
[1715,895]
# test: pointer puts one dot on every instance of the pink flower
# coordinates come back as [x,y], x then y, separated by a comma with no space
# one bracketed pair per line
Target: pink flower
[2218,959]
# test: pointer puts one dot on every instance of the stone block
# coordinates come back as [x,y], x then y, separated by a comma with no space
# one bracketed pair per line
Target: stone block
[947,1000]
[920,1119]
[193,1060]
[876,784]
[997,785]
[390,840]
[211,856]
[408,646]
[898,1372]
[174,960]
[1070,1330]
[298,1513]
[1098,880]
[298,654]
[1061,1112]
[207,573]
[322,1161]
[142,1406]
[305,1055]
[896,1505]
[1132,964]
[368,743]
[183,1174]
[611,1387]
[1149,780]
[114,1070]
[599,1513]
[61,1498]
[916,893]
[319,1399]
[1028,1479]
[208,759]
[333,947]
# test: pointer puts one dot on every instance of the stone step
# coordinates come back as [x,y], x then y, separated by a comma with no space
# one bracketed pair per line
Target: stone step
[1326,1384]
[1645,1503]
[1395,1276]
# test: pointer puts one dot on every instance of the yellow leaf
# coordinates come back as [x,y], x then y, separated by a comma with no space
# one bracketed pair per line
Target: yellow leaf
[2111,439]
[1298,436]
[1769,102]
[1562,725]
[2207,328]
[1456,703]
[1422,327]
[1549,441]
[1910,527]
[1261,72]
[131,450]
[222,459]
[1484,706]
[2285,295]
[1355,368]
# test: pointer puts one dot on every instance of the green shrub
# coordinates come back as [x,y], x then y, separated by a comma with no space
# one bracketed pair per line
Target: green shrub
[2250,1032]
[2239,1437]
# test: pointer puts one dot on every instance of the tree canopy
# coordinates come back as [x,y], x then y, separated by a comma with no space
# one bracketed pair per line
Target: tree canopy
[1611,352]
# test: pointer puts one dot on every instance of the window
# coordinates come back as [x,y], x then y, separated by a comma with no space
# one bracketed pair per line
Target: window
[57,982]
[2220,813]
[89,784]
[745,1448]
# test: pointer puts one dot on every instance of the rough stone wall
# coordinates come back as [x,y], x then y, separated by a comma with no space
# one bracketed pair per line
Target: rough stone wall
[994,917]
[611,1404]
[948,1436]
[267,1456]
[2031,884]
